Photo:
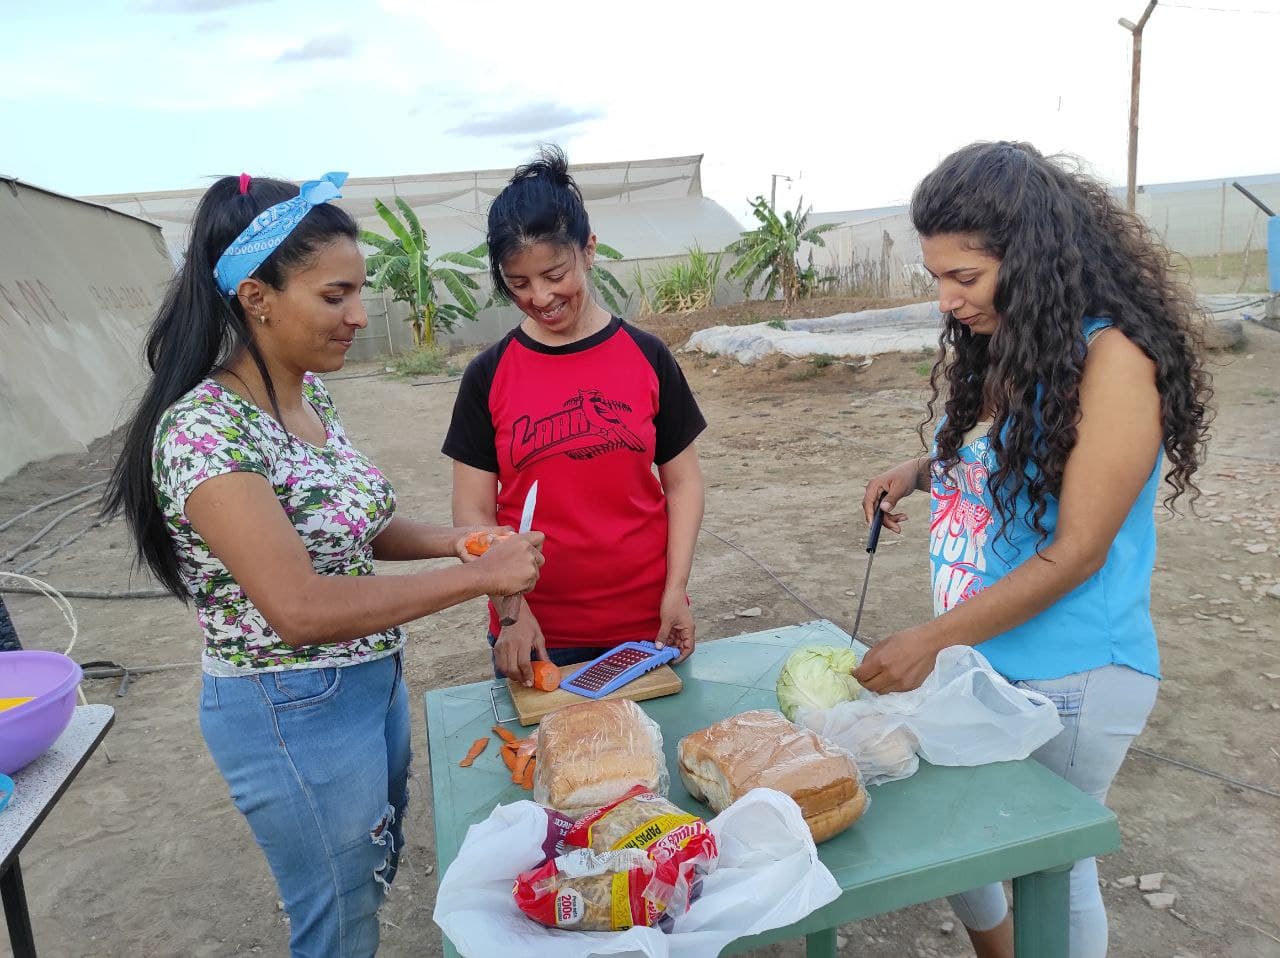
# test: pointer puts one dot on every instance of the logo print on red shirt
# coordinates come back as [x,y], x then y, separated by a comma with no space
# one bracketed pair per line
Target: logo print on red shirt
[588,426]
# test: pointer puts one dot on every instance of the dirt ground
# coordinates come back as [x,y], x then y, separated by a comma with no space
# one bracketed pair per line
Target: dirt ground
[145,855]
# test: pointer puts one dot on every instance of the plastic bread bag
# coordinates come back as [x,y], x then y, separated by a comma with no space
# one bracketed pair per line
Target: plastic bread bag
[666,833]
[592,753]
[964,713]
[760,748]
[882,746]
[639,861]
[591,891]
[767,876]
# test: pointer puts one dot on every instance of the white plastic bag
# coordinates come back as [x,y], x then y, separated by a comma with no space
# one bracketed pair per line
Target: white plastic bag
[768,876]
[965,713]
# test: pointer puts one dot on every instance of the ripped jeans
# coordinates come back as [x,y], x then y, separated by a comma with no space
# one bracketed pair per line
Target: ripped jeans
[317,760]
[1102,711]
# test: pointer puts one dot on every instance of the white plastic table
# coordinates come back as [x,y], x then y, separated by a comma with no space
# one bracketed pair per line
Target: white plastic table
[37,789]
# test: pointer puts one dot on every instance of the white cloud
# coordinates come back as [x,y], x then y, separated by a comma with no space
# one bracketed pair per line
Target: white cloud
[334,47]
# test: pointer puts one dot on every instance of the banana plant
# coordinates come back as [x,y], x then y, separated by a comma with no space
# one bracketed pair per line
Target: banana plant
[403,266]
[613,293]
[769,251]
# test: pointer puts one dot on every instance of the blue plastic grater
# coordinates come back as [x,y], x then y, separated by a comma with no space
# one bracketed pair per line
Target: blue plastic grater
[612,670]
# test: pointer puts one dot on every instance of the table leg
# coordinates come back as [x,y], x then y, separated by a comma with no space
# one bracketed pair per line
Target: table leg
[15,913]
[820,944]
[1042,913]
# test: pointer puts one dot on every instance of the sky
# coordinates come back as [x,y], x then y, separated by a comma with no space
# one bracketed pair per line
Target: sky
[854,101]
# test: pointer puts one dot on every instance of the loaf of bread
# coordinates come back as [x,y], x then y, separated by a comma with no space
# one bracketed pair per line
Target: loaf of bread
[592,753]
[761,749]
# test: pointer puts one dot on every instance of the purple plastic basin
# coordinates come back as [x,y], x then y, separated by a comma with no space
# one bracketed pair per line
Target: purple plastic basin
[27,730]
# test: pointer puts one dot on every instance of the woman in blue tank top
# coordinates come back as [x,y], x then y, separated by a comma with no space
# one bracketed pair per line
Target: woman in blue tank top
[1070,381]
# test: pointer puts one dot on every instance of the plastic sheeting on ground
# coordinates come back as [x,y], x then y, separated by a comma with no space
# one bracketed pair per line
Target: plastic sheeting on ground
[867,333]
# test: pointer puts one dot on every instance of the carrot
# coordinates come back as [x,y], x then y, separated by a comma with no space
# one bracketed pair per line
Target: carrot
[527,779]
[478,542]
[474,752]
[509,756]
[523,758]
[546,675]
[505,734]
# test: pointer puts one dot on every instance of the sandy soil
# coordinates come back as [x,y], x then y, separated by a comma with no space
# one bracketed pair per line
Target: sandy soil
[145,855]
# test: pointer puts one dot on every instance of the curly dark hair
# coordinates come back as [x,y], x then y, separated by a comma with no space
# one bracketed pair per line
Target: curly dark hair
[1068,251]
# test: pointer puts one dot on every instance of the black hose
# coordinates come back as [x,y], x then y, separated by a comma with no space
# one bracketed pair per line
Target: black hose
[50,502]
[87,593]
[48,528]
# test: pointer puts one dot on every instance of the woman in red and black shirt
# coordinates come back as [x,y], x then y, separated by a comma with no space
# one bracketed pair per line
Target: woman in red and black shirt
[586,405]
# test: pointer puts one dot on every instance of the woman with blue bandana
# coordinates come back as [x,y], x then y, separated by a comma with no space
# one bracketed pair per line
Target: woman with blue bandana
[244,495]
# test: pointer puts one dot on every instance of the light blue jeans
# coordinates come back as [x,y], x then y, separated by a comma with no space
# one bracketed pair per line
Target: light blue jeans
[1103,711]
[318,761]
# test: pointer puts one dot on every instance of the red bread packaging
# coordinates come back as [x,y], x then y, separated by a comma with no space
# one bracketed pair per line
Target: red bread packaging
[638,861]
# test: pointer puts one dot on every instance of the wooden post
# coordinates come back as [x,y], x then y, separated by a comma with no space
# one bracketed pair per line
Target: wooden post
[1248,246]
[1222,227]
[773,188]
[1136,30]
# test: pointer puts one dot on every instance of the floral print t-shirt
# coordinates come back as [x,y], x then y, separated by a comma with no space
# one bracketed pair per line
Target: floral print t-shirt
[336,499]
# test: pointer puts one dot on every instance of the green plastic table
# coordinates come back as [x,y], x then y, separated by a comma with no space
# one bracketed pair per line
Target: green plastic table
[941,831]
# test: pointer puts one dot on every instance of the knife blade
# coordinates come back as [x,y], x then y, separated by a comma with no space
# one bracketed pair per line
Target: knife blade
[530,501]
[509,605]
[873,539]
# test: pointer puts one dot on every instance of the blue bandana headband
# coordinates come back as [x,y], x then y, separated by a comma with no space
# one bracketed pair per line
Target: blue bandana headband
[269,229]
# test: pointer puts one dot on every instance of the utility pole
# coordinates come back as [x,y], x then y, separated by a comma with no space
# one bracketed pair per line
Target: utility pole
[773,186]
[1136,30]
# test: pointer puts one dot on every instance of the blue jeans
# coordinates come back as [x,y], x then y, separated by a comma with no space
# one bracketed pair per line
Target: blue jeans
[1102,711]
[570,655]
[318,761]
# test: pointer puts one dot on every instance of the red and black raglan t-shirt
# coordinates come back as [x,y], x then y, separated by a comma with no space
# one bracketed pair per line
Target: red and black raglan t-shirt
[587,420]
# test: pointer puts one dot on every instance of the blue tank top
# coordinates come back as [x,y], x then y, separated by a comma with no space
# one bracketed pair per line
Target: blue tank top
[1105,620]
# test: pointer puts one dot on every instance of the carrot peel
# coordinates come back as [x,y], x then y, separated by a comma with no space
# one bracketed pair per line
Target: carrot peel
[473,753]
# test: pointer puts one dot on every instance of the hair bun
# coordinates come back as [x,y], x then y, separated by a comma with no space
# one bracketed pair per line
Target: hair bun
[551,163]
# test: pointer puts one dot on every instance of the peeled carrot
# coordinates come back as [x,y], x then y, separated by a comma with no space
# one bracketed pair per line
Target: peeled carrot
[474,752]
[478,542]
[509,756]
[505,734]
[527,779]
[546,675]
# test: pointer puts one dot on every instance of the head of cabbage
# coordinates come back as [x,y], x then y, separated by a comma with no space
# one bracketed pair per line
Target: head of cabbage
[817,677]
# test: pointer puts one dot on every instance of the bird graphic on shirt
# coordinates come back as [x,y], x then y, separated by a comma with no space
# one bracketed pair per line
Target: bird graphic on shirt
[603,420]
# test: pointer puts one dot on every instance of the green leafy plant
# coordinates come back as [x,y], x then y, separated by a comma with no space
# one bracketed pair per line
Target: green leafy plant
[683,286]
[613,293]
[810,283]
[403,266]
[777,324]
[769,251]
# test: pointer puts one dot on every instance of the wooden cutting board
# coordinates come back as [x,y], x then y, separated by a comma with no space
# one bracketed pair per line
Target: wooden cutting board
[532,705]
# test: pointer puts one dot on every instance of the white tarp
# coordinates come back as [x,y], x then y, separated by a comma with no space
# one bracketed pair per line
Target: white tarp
[903,329]
[643,208]
[79,285]
[867,333]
